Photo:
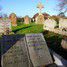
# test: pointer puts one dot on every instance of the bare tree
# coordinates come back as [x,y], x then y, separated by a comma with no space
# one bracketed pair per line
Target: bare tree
[63,5]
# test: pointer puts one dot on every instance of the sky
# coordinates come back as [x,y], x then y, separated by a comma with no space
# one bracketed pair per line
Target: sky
[28,7]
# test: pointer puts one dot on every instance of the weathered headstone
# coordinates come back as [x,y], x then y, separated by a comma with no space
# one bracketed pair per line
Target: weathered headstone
[14,52]
[13,19]
[5,26]
[50,24]
[38,50]
[40,19]
[27,51]
[26,20]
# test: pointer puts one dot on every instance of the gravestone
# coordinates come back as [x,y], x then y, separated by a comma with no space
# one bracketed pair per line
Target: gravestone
[26,20]
[63,24]
[13,19]
[27,51]
[5,26]
[40,19]
[38,50]
[64,42]
[14,52]
[50,24]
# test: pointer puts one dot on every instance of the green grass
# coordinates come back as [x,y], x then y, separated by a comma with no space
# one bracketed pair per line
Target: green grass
[0,37]
[19,27]
[29,28]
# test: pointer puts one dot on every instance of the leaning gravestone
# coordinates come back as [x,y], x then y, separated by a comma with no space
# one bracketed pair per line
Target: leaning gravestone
[24,51]
[4,25]
[63,24]
[50,24]
[14,53]
[38,50]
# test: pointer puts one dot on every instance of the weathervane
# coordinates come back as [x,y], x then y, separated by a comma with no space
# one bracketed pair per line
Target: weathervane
[40,6]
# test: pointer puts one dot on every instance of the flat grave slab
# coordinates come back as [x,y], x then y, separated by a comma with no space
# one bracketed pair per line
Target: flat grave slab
[28,50]
[38,50]
[14,53]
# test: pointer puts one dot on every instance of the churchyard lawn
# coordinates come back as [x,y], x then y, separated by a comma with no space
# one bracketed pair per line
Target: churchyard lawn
[29,28]
[53,40]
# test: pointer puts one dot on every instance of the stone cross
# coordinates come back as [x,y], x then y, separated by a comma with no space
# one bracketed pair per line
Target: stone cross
[40,6]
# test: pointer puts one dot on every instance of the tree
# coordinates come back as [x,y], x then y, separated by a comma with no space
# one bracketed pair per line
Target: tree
[61,14]
[63,5]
